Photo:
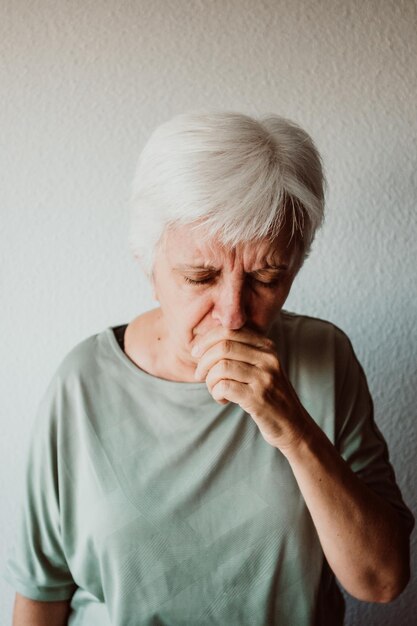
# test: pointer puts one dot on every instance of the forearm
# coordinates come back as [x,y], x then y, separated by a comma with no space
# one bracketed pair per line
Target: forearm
[362,537]
[29,612]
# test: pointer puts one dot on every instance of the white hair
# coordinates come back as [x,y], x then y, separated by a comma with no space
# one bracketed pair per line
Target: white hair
[239,177]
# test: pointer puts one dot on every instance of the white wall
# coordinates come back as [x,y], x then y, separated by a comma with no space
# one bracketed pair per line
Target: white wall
[83,84]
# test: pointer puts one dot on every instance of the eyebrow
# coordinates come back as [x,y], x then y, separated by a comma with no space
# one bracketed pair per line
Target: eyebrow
[280,268]
[184,267]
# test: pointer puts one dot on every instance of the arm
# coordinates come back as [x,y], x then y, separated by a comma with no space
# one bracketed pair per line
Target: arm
[363,538]
[37,567]
[36,613]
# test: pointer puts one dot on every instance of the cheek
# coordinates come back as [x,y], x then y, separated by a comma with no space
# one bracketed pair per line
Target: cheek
[263,315]
[263,301]
[189,309]
[199,315]
[264,307]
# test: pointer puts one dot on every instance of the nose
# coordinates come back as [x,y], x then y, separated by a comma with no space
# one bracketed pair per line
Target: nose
[230,307]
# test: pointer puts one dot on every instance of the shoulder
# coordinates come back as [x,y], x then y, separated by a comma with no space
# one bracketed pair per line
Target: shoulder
[312,335]
[315,350]
[78,374]
[322,366]
[319,351]
[85,359]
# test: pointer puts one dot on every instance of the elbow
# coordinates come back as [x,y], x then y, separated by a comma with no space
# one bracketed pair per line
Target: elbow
[388,581]
[383,579]
[383,591]
[379,595]
[391,592]
[383,582]
[398,577]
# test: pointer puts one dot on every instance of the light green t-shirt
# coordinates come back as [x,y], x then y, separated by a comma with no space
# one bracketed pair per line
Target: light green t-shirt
[151,505]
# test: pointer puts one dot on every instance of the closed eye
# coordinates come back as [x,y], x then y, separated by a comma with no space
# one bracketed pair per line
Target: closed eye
[270,284]
[199,281]
[267,284]
[267,279]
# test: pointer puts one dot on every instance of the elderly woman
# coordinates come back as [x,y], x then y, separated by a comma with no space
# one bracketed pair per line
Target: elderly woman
[214,461]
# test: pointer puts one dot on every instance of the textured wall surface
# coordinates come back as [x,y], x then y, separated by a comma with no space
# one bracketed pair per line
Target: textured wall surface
[83,82]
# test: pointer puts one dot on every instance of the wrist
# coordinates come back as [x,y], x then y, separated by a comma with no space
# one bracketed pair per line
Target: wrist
[304,439]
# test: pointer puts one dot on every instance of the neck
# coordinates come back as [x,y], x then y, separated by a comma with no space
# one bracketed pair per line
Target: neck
[170,363]
[150,346]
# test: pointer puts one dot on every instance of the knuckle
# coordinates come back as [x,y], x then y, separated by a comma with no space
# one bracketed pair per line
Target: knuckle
[227,345]
[224,364]
[219,390]
[273,361]
[225,385]
[269,379]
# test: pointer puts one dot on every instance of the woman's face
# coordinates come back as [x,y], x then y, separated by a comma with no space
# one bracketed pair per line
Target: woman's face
[201,285]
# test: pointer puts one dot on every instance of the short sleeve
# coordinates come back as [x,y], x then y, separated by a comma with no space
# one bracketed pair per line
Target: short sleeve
[37,567]
[358,439]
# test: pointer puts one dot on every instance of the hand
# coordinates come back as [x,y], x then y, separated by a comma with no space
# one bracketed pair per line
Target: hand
[243,367]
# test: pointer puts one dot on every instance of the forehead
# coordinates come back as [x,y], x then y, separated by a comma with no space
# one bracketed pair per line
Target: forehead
[186,245]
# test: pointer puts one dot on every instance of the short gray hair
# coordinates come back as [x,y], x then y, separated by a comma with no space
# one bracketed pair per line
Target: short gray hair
[239,177]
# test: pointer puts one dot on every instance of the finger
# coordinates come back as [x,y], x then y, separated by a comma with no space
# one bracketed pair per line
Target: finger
[232,370]
[244,335]
[228,391]
[234,351]
[229,350]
